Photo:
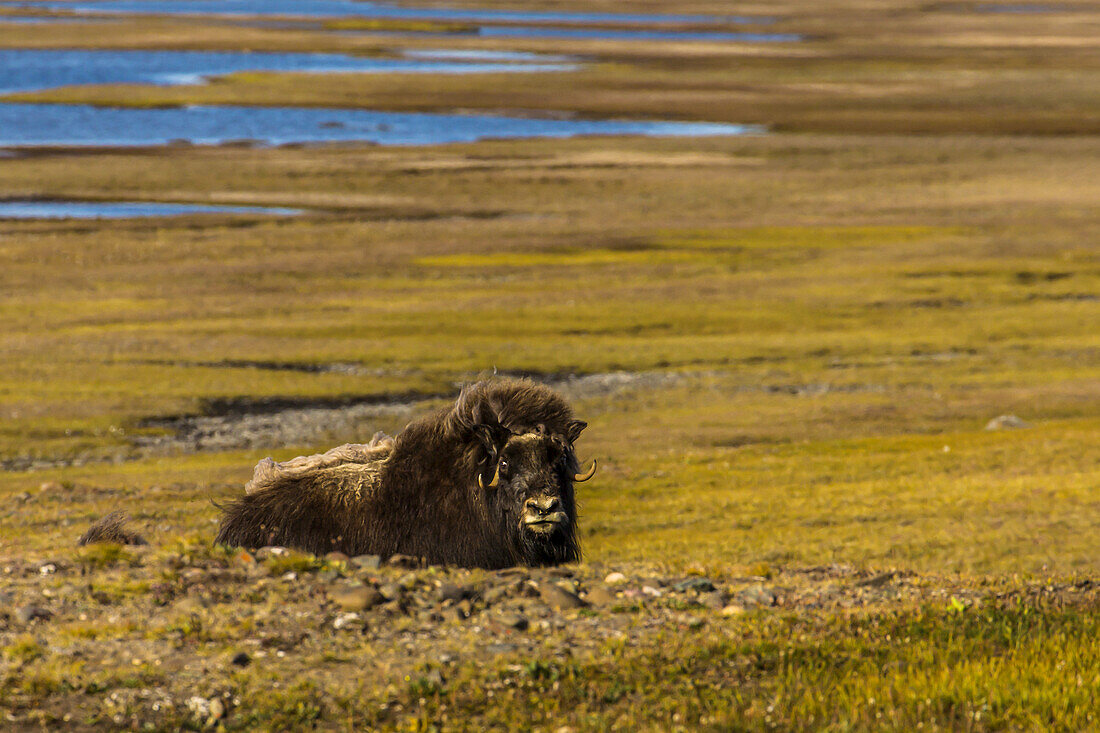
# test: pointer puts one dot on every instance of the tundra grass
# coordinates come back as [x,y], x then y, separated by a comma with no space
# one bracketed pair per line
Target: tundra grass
[833,320]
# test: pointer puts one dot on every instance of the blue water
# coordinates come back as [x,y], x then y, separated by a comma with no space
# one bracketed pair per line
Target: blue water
[63,124]
[121,209]
[353,8]
[607,34]
[476,54]
[31,69]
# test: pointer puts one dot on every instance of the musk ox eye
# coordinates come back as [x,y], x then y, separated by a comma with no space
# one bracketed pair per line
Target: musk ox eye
[503,465]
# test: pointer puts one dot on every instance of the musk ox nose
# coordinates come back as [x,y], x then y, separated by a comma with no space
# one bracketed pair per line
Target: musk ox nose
[543,505]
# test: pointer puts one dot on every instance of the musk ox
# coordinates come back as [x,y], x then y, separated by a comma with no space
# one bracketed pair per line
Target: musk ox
[485,483]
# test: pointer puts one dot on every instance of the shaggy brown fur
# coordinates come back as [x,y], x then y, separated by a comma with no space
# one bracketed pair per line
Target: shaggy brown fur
[111,528]
[419,493]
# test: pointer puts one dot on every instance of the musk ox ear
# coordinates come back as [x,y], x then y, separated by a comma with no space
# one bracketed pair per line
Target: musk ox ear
[573,431]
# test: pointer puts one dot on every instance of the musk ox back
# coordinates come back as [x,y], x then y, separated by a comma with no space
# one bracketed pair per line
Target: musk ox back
[485,483]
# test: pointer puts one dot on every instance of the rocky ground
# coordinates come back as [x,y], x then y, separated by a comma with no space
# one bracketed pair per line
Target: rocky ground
[148,638]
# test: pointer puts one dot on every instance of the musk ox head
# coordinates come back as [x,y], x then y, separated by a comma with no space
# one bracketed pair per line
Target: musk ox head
[525,474]
[528,486]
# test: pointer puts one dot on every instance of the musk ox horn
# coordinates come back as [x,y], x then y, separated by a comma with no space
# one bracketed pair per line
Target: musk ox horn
[581,477]
[493,483]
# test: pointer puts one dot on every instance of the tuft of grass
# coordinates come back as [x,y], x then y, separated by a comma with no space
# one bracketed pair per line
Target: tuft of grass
[24,649]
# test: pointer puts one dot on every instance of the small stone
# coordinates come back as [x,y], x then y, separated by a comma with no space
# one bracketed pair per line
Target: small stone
[241,659]
[403,561]
[217,712]
[393,608]
[337,557]
[756,595]
[1007,422]
[494,594]
[702,585]
[51,487]
[516,571]
[367,562]
[198,706]
[362,598]
[500,648]
[695,624]
[328,575]
[188,605]
[600,596]
[455,593]
[192,576]
[615,579]
[26,614]
[513,621]
[557,597]
[652,592]
[733,610]
[715,601]
[347,620]
[48,569]
[391,591]
[270,551]
[290,576]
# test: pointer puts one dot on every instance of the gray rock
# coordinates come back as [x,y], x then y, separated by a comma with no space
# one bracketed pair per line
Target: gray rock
[367,562]
[337,557]
[1007,422]
[701,585]
[559,598]
[391,591]
[756,595]
[26,614]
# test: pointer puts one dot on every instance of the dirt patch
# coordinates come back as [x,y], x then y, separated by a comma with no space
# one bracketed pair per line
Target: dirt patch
[234,424]
[215,627]
[245,423]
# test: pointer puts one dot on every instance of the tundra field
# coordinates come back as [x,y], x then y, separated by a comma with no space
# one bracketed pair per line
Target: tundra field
[787,345]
